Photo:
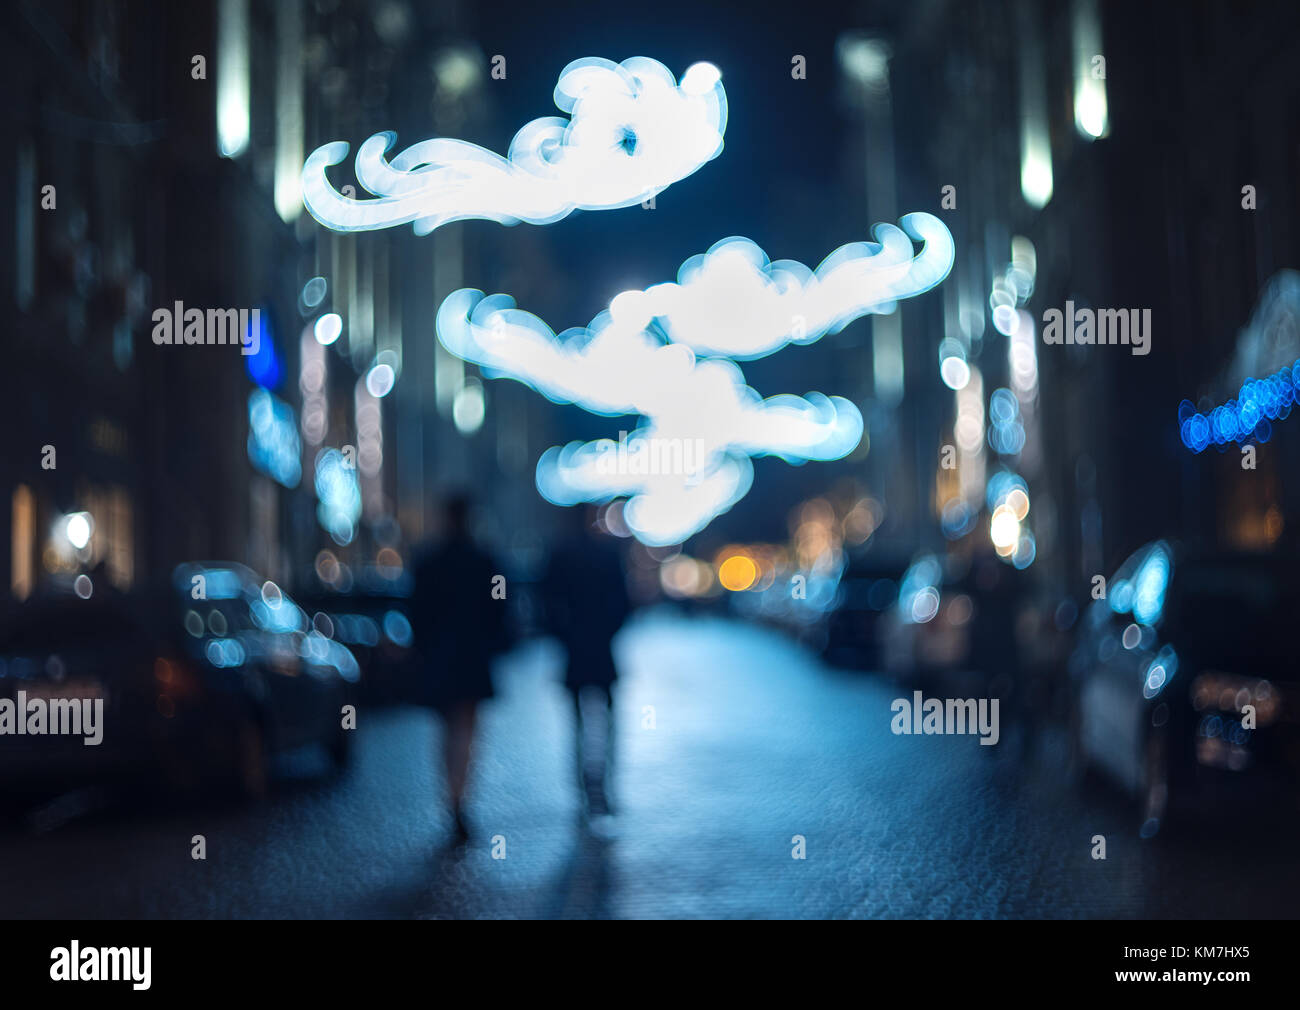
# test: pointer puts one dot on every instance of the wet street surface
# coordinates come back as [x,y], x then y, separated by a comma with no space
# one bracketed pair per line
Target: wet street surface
[731,741]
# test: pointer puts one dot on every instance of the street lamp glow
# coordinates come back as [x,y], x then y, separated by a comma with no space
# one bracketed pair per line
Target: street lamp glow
[77,528]
[1036,170]
[737,573]
[953,368]
[1091,116]
[955,372]
[1006,320]
[380,380]
[468,410]
[1035,138]
[864,59]
[328,328]
[232,77]
[1004,529]
[1090,113]
[457,70]
[314,291]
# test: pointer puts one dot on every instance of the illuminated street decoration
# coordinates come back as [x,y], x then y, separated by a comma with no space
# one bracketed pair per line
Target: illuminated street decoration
[645,356]
[1269,343]
[1259,402]
[733,301]
[632,132]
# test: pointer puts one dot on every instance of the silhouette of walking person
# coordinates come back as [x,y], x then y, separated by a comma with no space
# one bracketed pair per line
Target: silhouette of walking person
[995,644]
[458,626]
[587,602]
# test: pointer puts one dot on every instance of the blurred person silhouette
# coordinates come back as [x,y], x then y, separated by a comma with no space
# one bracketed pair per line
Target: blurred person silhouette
[995,642]
[459,625]
[586,603]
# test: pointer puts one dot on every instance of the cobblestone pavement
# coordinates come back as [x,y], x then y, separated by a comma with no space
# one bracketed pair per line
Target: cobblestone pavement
[754,742]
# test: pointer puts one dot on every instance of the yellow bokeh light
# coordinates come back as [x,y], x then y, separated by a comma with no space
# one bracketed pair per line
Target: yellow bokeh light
[737,573]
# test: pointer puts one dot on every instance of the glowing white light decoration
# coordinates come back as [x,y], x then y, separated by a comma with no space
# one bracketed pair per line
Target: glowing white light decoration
[632,132]
[639,357]
[732,300]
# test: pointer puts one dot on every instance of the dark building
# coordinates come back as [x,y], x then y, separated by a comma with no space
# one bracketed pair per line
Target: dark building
[1116,140]
[171,138]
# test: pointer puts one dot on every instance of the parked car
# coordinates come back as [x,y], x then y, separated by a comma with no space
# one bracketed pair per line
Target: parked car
[376,628]
[868,588]
[1184,680]
[204,682]
[927,629]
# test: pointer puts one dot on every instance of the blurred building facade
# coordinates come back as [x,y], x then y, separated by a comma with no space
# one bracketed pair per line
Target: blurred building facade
[173,137]
[1097,154]
[1091,152]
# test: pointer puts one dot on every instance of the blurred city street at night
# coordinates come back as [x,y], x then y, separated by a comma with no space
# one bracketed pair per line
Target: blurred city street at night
[755,742]
[494,460]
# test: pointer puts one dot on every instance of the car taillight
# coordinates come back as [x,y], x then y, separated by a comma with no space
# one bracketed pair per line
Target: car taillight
[1214,690]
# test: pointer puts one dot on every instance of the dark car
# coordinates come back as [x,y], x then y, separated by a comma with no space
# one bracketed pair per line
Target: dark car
[1184,680]
[206,680]
[927,630]
[868,588]
[376,628]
